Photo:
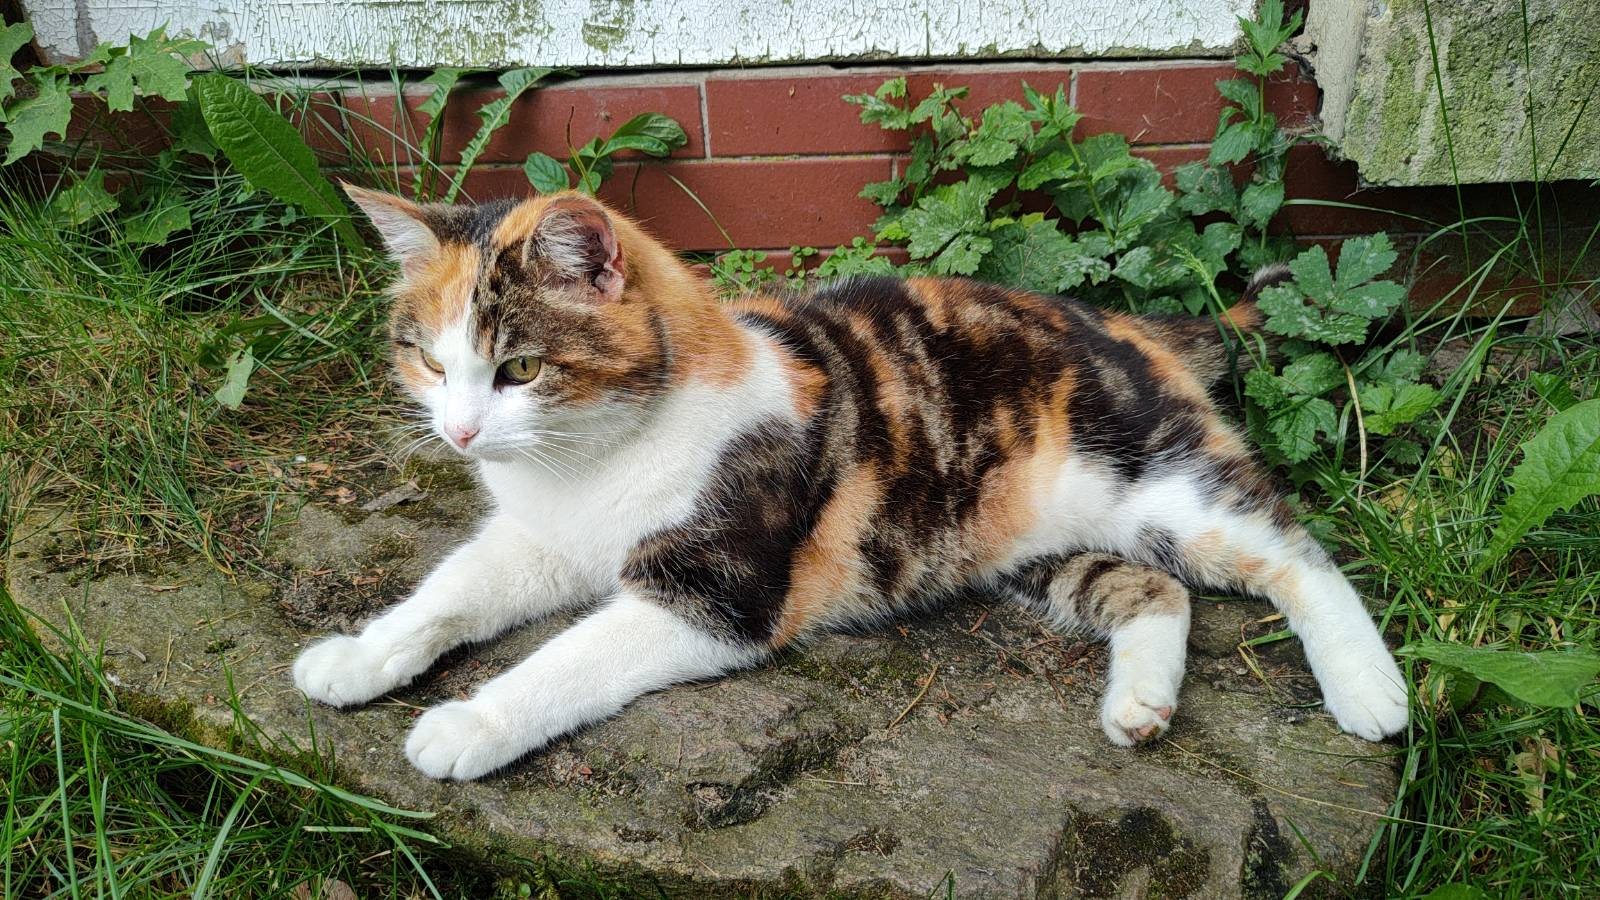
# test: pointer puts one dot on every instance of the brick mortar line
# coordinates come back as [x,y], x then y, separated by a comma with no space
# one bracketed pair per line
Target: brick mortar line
[705,119]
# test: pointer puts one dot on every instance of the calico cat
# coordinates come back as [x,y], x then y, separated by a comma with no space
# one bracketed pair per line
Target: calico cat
[727,479]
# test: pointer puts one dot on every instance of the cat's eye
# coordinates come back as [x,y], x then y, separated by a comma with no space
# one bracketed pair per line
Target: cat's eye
[521,370]
[429,361]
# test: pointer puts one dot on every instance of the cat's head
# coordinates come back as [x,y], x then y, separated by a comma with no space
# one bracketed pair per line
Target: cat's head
[516,322]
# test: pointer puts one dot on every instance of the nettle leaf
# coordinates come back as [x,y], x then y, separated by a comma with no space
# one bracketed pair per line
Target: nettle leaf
[268,151]
[1545,678]
[1386,407]
[1232,144]
[1401,365]
[944,214]
[876,108]
[1205,188]
[1003,128]
[30,120]
[1033,253]
[1560,466]
[1058,165]
[1260,202]
[12,38]
[1244,93]
[86,199]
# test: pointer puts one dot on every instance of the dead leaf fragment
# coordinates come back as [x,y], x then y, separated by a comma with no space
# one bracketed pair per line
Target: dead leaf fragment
[405,493]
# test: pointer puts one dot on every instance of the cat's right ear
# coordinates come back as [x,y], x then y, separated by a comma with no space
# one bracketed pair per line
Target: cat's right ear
[403,225]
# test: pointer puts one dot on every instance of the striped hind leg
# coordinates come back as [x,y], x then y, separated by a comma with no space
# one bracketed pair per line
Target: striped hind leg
[1142,611]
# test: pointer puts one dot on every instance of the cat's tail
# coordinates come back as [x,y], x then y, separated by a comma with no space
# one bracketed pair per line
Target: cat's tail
[1202,342]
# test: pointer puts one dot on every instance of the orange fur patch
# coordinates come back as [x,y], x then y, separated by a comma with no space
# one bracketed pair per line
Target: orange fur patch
[827,566]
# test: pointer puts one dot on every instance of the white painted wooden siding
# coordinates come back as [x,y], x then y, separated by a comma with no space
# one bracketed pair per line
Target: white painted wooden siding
[619,33]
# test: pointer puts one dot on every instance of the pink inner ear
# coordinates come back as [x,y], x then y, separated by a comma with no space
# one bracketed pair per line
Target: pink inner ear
[602,254]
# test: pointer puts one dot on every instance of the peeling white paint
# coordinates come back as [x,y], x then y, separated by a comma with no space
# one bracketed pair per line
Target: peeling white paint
[621,33]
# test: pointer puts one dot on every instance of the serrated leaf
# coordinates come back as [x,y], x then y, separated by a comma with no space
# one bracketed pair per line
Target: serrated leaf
[443,81]
[237,380]
[84,200]
[1205,188]
[1546,678]
[545,174]
[155,225]
[1003,128]
[12,38]
[651,132]
[268,151]
[1401,365]
[1297,424]
[884,193]
[1232,144]
[1034,254]
[1288,314]
[1058,165]
[493,115]
[1370,301]
[1312,275]
[1362,259]
[30,120]
[1313,375]
[1260,202]
[1387,406]
[1560,466]
[941,216]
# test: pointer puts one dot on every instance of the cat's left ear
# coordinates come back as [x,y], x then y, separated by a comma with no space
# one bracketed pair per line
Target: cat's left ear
[576,242]
[402,224]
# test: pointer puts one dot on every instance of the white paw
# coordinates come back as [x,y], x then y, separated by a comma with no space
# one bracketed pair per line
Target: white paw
[1138,710]
[344,671]
[1367,697]
[456,740]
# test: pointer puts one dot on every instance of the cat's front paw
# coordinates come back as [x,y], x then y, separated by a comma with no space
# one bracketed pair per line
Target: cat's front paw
[1133,712]
[345,671]
[459,741]
[1368,697]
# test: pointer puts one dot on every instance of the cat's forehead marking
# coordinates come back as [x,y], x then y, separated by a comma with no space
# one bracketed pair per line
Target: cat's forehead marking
[440,294]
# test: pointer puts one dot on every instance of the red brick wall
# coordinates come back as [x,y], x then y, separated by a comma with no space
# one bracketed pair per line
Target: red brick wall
[777,158]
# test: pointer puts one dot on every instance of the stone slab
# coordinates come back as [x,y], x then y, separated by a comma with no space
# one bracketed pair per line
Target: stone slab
[824,772]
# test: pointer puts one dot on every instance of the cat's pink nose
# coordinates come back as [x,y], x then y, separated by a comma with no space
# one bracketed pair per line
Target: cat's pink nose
[461,434]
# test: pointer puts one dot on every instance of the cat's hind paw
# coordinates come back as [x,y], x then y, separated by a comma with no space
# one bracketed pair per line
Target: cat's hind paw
[457,741]
[1133,714]
[344,671]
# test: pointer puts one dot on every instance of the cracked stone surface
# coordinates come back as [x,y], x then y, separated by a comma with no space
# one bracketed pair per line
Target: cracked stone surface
[828,771]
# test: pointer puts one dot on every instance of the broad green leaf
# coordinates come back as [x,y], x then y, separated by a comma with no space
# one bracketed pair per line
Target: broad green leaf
[1370,301]
[1293,421]
[1555,388]
[963,255]
[1033,253]
[949,211]
[156,224]
[268,151]
[1313,375]
[46,113]
[494,114]
[237,380]
[1560,466]
[1288,314]
[545,174]
[1401,365]
[1232,143]
[12,38]
[1312,275]
[884,193]
[1260,202]
[652,133]
[1544,678]
[1057,166]
[86,199]
[1362,259]
[1205,188]
[1387,406]
[153,64]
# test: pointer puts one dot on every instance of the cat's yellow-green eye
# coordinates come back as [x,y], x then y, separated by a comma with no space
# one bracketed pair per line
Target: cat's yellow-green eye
[521,370]
[429,361]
